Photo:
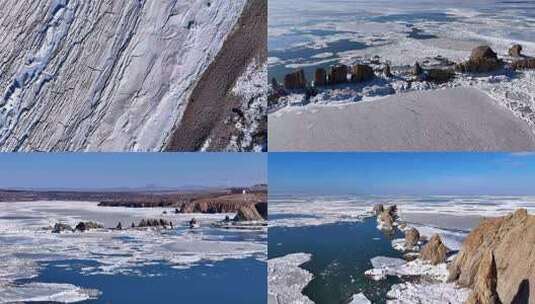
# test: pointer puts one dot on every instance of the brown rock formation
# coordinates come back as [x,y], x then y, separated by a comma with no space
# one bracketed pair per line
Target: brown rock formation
[434,251]
[378,209]
[412,236]
[484,291]
[515,51]
[362,72]
[417,69]
[483,59]
[248,213]
[386,220]
[59,227]
[524,64]
[512,240]
[440,75]
[320,77]
[84,226]
[338,74]
[295,80]
[222,204]
[154,223]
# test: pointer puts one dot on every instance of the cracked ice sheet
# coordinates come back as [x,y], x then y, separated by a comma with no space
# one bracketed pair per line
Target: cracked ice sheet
[295,212]
[430,293]
[286,279]
[384,266]
[21,229]
[44,292]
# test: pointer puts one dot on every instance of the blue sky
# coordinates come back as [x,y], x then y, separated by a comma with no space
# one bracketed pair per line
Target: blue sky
[108,170]
[402,173]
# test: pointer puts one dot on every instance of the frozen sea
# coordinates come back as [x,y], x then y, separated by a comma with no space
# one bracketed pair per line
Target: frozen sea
[205,265]
[309,34]
[327,243]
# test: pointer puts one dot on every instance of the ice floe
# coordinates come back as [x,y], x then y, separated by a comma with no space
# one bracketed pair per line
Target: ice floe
[429,293]
[286,279]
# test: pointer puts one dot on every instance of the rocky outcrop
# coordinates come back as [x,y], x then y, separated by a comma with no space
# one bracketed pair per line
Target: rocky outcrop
[84,226]
[515,51]
[412,237]
[386,221]
[440,75]
[338,74]
[434,251]
[483,59]
[262,208]
[362,72]
[248,213]
[320,77]
[59,227]
[511,240]
[378,209]
[212,206]
[524,64]
[484,290]
[106,75]
[417,69]
[154,223]
[295,80]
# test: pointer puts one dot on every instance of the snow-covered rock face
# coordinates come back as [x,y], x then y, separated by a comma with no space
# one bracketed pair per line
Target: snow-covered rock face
[104,75]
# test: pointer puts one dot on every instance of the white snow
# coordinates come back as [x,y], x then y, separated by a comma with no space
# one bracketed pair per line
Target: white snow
[428,293]
[359,298]
[49,292]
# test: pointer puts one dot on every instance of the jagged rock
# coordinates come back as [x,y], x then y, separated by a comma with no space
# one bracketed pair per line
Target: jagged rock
[511,239]
[362,72]
[84,226]
[524,64]
[154,223]
[386,221]
[177,211]
[417,69]
[515,51]
[387,72]
[440,75]
[338,74]
[320,77]
[484,291]
[115,75]
[483,52]
[393,211]
[59,227]
[248,213]
[295,80]
[434,251]
[262,208]
[482,60]
[378,209]
[119,226]
[412,236]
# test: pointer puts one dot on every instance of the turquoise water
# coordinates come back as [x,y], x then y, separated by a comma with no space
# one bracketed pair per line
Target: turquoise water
[341,253]
[236,281]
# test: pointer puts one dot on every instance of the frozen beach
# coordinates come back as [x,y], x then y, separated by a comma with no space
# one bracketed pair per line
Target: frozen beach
[38,265]
[398,34]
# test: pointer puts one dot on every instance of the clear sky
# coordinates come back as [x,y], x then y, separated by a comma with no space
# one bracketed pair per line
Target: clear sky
[109,170]
[402,173]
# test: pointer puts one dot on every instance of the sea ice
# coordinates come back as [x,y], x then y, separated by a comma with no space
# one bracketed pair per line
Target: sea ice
[286,279]
[429,293]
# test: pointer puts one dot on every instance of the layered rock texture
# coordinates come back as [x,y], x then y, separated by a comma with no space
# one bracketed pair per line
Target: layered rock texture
[434,251]
[497,260]
[131,75]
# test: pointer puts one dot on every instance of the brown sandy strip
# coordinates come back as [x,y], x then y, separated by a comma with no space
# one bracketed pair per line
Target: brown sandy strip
[211,101]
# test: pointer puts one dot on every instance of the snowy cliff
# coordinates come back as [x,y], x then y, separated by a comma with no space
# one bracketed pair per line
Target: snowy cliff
[116,75]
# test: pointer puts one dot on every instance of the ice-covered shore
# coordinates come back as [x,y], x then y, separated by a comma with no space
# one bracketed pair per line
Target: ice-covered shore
[286,279]
[23,230]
